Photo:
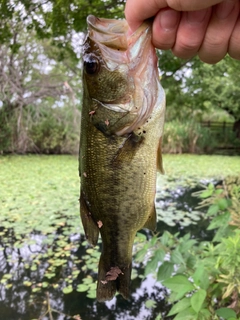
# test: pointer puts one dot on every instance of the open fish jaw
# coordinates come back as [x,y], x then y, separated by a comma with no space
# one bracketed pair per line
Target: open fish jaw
[128,54]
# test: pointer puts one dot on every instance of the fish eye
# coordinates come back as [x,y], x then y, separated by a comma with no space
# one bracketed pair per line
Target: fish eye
[91,64]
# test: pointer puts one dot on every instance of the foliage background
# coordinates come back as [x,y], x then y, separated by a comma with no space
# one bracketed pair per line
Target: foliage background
[40,82]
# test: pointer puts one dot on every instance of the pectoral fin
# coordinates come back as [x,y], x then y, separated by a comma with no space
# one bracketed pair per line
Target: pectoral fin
[151,222]
[127,150]
[90,228]
[159,157]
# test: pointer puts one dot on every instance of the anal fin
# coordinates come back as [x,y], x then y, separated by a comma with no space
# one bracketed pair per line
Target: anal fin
[90,228]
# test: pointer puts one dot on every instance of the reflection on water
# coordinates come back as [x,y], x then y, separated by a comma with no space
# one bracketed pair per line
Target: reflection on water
[17,302]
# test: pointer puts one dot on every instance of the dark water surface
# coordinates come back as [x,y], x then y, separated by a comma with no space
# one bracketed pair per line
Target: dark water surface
[19,303]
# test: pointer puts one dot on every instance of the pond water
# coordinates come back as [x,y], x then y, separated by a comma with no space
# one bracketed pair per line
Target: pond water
[27,296]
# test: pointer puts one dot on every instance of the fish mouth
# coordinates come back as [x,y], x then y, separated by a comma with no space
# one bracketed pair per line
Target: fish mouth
[107,25]
[131,54]
[114,40]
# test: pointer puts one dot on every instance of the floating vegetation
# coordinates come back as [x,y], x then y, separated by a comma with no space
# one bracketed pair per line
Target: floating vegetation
[42,247]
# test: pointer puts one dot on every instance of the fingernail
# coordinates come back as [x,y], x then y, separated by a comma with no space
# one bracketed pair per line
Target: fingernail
[224,9]
[196,16]
[169,19]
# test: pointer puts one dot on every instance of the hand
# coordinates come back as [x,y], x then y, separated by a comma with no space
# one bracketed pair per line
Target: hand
[207,28]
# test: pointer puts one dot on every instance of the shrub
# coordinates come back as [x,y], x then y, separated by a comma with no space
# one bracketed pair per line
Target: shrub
[187,137]
[203,276]
[191,137]
[48,135]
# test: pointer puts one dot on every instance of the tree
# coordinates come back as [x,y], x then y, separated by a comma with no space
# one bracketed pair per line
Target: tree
[195,89]
[55,20]
[216,87]
[30,79]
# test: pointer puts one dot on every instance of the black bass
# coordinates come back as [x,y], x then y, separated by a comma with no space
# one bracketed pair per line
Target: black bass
[120,144]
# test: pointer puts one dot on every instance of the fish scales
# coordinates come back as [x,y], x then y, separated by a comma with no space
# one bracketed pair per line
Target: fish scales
[120,145]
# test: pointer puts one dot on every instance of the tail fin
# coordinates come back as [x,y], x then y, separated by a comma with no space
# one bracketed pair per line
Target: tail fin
[112,279]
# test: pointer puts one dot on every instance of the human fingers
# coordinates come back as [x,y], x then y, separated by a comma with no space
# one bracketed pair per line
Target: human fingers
[136,11]
[191,32]
[234,43]
[164,28]
[219,30]
[191,5]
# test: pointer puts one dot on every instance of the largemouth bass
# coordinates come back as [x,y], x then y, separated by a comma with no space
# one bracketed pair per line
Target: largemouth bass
[120,144]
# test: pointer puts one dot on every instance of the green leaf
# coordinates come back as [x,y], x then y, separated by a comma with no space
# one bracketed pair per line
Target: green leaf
[223,203]
[205,194]
[91,294]
[187,314]
[197,299]
[33,267]
[67,289]
[151,266]
[160,254]
[205,313]
[82,288]
[180,306]
[49,275]
[219,221]
[226,313]
[134,274]
[191,261]
[179,284]
[45,284]
[201,277]
[212,210]
[176,257]
[165,271]
[223,232]
[165,238]
[150,304]
[3,281]
[141,254]
[88,280]
[185,245]
[153,263]
[208,192]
